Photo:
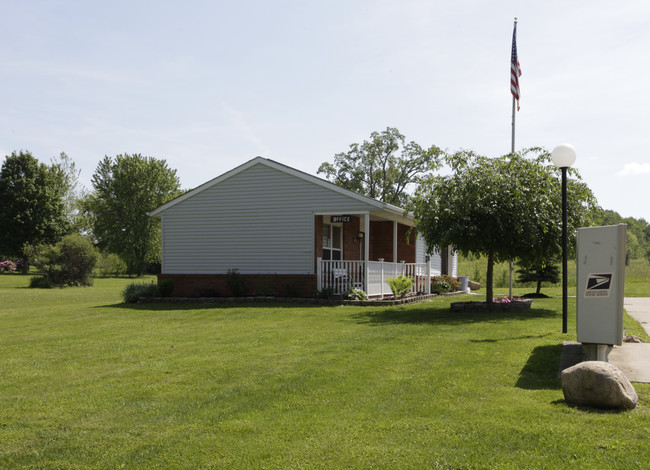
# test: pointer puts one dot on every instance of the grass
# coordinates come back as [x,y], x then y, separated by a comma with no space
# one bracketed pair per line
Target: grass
[88,382]
[637,276]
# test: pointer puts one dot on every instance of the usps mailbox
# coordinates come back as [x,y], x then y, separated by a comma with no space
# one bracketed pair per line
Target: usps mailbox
[601,284]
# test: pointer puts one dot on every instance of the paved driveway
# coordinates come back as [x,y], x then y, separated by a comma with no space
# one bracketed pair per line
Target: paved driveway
[634,358]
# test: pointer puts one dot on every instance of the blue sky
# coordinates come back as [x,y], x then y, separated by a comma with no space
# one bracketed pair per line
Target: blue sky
[208,85]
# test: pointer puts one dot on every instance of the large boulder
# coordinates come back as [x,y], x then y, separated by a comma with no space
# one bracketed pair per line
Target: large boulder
[598,384]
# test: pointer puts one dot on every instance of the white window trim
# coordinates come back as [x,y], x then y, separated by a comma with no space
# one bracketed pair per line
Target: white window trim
[326,222]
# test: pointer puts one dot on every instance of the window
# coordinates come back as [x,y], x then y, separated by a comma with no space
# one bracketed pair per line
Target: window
[332,242]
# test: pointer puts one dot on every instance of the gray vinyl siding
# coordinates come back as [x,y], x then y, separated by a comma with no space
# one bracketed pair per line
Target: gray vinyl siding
[454,265]
[420,249]
[258,221]
[421,253]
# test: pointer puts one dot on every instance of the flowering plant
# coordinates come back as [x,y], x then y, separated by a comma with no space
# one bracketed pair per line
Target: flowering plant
[354,294]
[505,300]
[7,265]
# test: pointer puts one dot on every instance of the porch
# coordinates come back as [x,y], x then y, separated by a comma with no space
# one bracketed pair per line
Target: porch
[371,276]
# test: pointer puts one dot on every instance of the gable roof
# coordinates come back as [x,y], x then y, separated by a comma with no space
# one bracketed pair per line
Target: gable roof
[378,205]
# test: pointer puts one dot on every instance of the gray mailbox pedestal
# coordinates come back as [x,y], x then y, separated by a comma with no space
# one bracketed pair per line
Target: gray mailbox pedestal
[600,288]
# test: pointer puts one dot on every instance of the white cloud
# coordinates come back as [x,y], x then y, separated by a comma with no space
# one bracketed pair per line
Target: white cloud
[633,169]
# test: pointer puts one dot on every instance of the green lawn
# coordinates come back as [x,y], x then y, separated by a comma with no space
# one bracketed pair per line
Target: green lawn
[87,382]
[637,276]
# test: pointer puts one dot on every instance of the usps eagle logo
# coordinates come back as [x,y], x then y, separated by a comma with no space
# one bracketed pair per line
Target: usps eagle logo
[599,285]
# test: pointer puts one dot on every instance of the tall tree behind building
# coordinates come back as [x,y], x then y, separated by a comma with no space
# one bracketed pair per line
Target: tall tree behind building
[125,188]
[384,167]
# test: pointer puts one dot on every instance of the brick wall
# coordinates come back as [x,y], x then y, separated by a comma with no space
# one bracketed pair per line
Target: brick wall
[381,235]
[284,285]
[352,246]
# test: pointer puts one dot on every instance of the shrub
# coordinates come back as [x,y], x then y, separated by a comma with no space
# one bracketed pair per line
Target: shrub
[354,294]
[70,262]
[135,290]
[400,285]
[325,293]
[21,264]
[265,292]
[7,265]
[165,287]
[207,292]
[453,284]
[236,283]
[112,265]
[440,287]
[40,282]
[293,289]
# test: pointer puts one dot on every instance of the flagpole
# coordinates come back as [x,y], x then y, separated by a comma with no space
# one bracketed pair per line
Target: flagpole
[516,71]
[512,151]
[512,146]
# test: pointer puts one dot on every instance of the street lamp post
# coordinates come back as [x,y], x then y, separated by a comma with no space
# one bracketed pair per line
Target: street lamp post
[563,156]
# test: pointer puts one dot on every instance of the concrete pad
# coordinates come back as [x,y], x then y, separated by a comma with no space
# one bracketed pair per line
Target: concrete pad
[634,361]
[632,358]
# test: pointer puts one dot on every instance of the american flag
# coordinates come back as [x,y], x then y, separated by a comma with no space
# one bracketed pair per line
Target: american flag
[515,70]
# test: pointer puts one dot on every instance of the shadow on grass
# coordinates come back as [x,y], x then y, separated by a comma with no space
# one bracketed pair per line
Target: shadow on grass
[540,371]
[590,409]
[155,306]
[510,338]
[442,315]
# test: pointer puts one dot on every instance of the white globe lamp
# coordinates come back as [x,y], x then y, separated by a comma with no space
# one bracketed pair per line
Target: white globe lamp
[564,155]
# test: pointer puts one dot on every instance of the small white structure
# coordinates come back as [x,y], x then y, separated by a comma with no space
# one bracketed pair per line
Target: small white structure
[277,225]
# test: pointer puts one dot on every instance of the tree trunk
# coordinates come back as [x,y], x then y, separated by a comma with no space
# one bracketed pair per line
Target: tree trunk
[25,266]
[539,287]
[489,296]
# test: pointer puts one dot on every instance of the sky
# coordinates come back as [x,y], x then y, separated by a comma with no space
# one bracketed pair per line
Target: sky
[209,85]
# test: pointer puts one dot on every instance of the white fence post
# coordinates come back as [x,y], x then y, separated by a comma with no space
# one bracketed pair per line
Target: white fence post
[428,280]
[366,275]
[381,279]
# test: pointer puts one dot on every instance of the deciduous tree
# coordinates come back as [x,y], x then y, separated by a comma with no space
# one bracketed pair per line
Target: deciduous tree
[383,167]
[31,205]
[125,188]
[504,208]
[67,179]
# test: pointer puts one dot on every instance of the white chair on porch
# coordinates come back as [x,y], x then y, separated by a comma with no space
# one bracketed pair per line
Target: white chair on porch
[341,279]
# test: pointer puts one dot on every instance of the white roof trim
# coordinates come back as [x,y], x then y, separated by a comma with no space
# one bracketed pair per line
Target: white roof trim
[382,206]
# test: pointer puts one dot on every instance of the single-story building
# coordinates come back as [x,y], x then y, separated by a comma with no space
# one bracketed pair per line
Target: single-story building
[286,231]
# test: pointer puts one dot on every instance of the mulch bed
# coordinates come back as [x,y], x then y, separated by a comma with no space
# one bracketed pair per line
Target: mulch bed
[223,300]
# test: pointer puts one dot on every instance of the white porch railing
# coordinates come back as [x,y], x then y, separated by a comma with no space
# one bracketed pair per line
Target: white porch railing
[371,277]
